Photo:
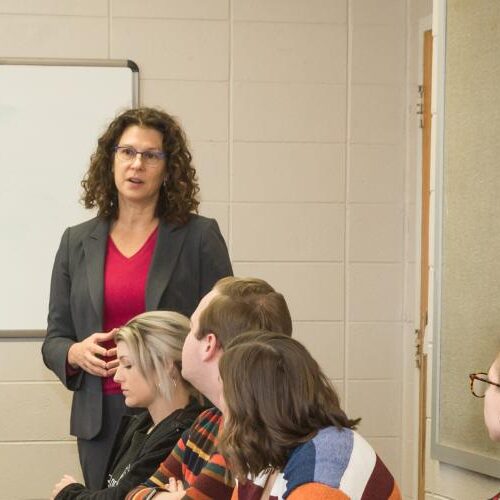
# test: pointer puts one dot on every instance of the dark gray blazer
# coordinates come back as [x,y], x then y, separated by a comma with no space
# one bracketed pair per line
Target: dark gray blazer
[187,261]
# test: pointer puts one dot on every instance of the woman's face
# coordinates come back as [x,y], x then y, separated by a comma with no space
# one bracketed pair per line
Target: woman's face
[138,392]
[492,403]
[137,181]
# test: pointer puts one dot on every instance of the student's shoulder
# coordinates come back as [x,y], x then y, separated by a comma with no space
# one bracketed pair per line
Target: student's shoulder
[341,456]
[325,440]
[208,417]
[351,449]
[314,460]
[206,426]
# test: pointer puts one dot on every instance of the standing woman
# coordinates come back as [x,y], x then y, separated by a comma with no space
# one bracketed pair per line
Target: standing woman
[145,250]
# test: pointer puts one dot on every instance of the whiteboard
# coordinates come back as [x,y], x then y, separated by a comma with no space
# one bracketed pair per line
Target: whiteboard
[51,114]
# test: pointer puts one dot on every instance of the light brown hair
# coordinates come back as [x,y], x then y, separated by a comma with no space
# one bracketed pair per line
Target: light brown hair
[244,304]
[155,340]
[277,397]
[177,198]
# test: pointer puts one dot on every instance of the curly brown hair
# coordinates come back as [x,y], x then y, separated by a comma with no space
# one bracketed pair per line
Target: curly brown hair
[277,397]
[177,199]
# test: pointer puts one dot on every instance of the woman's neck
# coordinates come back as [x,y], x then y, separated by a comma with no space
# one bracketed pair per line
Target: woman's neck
[133,216]
[160,408]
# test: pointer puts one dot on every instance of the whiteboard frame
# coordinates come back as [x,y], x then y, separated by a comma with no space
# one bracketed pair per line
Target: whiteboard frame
[98,63]
[112,63]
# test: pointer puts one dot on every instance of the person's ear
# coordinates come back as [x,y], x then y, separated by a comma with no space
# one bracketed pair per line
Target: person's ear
[211,347]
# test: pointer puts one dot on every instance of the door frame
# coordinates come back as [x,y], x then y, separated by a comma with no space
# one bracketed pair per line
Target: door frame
[421,372]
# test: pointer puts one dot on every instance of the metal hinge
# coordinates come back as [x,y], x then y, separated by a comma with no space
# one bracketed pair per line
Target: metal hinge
[420,105]
[419,348]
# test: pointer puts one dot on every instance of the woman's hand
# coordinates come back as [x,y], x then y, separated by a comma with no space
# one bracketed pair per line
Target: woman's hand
[87,354]
[65,480]
[112,365]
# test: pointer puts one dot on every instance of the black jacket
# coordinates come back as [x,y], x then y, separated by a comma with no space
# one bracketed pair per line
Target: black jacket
[135,455]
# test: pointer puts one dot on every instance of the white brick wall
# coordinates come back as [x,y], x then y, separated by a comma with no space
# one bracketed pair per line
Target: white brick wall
[297,114]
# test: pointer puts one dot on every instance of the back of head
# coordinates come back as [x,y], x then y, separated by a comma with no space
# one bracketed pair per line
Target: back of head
[276,397]
[155,341]
[243,304]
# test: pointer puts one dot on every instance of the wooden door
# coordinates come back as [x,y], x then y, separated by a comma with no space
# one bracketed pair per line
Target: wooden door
[425,111]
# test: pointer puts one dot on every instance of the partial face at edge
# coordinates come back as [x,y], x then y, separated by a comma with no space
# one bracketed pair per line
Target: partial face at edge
[492,403]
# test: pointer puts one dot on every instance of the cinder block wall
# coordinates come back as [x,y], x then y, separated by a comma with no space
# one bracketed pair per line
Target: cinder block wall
[35,448]
[298,116]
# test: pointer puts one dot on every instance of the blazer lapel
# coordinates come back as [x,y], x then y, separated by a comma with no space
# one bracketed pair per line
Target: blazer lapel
[94,247]
[168,247]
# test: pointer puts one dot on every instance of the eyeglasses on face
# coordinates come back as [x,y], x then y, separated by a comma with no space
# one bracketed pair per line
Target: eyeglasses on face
[479,383]
[127,154]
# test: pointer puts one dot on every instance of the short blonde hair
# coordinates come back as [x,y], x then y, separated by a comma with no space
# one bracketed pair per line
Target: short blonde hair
[155,341]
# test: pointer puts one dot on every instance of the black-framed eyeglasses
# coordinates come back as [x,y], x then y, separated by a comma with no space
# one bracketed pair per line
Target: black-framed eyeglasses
[127,154]
[479,383]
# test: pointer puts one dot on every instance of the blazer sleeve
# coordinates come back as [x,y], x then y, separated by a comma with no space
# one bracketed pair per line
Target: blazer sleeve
[214,258]
[60,329]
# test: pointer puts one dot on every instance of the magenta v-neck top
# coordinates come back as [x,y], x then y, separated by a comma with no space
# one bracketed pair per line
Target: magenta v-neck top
[124,291]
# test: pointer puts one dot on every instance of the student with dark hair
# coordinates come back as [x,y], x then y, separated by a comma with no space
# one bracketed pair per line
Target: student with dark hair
[285,434]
